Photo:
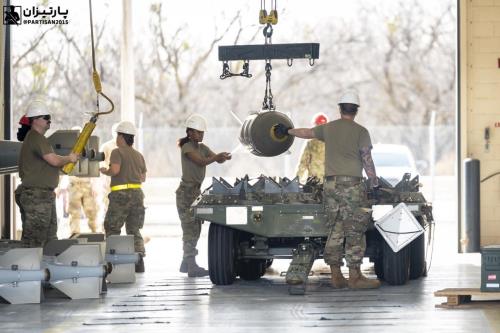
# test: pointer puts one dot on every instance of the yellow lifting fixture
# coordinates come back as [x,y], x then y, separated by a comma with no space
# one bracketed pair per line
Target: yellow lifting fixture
[264,18]
[84,136]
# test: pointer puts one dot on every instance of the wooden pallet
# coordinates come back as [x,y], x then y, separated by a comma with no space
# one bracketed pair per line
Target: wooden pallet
[462,297]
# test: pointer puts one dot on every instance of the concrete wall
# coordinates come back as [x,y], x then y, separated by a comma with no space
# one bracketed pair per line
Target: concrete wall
[480,103]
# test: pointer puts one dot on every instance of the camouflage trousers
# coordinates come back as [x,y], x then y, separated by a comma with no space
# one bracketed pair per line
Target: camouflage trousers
[38,215]
[126,207]
[81,196]
[191,227]
[348,218]
[106,189]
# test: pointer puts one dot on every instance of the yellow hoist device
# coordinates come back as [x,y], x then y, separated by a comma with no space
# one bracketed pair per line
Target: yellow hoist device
[272,17]
[85,134]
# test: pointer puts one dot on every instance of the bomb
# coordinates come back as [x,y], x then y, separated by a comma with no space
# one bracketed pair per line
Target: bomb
[258,136]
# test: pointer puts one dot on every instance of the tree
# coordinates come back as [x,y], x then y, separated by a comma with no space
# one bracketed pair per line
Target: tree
[400,57]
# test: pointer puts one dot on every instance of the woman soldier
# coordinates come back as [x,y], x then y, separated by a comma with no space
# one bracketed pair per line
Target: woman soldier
[21,134]
[39,172]
[127,169]
[195,156]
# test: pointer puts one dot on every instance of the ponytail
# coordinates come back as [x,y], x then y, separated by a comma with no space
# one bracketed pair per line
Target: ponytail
[182,141]
[129,138]
[22,131]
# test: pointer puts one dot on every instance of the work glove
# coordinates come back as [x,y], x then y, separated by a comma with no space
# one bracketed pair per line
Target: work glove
[311,183]
[281,130]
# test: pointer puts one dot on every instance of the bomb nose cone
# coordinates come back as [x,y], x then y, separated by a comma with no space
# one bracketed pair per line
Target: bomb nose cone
[257,134]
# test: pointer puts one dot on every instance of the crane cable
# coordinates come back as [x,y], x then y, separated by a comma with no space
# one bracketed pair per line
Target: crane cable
[95,74]
[83,138]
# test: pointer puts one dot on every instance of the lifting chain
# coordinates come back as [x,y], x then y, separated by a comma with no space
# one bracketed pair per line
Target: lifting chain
[268,104]
[227,73]
[269,21]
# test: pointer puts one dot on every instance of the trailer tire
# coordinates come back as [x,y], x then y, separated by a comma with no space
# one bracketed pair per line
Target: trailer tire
[417,257]
[378,264]
[221,254]
[396,265]
[251,269]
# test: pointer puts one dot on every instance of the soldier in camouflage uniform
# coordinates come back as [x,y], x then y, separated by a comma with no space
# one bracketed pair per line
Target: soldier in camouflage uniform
[127,169]
[348,150]
[39,173]
[81,195]
[21,134]
[195,156]
[312,160]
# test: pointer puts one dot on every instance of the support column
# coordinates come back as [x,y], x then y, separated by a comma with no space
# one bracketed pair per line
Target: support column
[127,65]
[5,131]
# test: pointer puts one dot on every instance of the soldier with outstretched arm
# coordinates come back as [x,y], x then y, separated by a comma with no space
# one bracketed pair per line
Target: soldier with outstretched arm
[195,156]
[347,152]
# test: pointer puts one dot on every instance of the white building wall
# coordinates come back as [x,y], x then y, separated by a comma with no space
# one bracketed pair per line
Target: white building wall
[480,103]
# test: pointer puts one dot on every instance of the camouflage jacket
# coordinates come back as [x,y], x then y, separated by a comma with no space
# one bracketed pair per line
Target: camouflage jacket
[312,161]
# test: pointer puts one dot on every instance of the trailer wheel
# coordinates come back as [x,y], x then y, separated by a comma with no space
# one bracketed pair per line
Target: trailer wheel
[417,257]
[396,265]
[221,254]
[379,267]
[251,269]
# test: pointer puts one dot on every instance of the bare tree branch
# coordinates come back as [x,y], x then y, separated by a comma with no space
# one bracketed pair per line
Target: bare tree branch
[33,45]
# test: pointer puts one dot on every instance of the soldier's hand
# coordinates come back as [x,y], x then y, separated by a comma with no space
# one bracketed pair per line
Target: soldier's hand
[227,156]
[220,157]
[73,158]
[281,130]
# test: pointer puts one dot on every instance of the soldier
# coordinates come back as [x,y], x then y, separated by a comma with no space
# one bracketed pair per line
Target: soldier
[195,156]
[39,173]
[24,129]
[312,161]
[81,195]
[21,134]
[62,194]
[107,147]
[348,150]
[127,169]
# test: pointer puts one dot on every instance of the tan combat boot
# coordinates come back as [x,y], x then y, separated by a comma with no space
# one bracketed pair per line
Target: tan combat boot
[193,269]
[338,280]
[358,281]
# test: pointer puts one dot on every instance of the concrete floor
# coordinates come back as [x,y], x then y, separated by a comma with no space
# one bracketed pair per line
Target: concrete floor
[163,299]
